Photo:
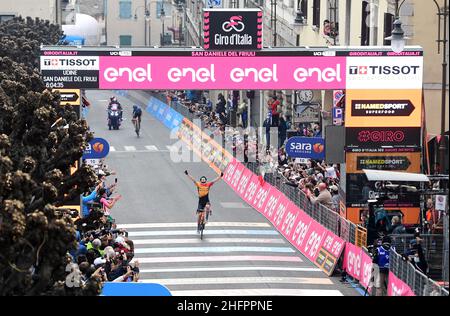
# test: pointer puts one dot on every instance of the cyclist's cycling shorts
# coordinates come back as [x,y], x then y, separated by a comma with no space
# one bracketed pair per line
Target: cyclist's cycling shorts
[202,203]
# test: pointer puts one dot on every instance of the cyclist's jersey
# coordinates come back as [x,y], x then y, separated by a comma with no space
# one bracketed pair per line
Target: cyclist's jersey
[137,113]
[203,189]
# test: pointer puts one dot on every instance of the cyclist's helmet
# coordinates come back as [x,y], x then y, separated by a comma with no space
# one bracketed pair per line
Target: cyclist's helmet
[135,107]
[113,99]
[203,179]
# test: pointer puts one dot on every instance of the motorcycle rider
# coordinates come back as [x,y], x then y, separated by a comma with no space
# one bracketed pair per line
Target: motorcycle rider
[114,105]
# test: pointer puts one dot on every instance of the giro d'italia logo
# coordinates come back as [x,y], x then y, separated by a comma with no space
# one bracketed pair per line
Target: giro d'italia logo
[235,23]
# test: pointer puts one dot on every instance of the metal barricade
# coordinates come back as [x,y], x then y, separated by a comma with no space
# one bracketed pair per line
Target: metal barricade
[418,282]
[360,236]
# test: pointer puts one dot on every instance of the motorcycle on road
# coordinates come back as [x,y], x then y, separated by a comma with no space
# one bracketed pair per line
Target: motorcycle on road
[113,119]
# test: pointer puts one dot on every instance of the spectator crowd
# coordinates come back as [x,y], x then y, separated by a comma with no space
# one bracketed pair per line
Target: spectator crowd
[103,251]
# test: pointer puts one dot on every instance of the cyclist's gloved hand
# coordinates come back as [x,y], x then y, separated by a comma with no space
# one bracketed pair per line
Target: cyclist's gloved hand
[221,174]
[185,171]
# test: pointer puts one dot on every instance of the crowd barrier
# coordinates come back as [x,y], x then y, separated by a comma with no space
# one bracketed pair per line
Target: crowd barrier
[330,219]
[406,280]
[318,232]
[317,242]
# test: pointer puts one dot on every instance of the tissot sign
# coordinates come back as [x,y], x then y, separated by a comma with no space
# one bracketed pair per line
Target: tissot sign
[225,29]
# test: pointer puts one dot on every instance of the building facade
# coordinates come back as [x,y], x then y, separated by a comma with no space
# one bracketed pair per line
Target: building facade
[46,10]
[141,22]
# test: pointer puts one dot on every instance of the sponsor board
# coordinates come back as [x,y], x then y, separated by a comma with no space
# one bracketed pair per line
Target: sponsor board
[225,29]
[383,108]
[408,162]
[70,62]
[380,73]
[370,108]
[70,96]
[379,137]
[306,147]
[97,148]
[212,72]
[250,70]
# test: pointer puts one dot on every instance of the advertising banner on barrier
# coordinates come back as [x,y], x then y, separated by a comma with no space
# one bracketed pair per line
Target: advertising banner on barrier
[352,260]
[203,145]
[397,287]
[358,264]
[366,270]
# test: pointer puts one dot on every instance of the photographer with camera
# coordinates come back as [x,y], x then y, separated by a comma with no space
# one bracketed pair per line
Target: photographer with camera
[380,261]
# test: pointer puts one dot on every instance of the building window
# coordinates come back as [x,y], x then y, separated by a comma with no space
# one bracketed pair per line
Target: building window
[6,17]
[388,26]
[316,13]
[125,40]
[331,25]
[365,22]
[125,9]
[304,8]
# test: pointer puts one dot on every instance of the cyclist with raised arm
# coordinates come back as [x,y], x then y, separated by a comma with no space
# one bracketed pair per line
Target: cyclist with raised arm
[137,113]
[203,188]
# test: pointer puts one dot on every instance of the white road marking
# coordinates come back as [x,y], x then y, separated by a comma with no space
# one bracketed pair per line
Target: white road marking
[151,148]
[167,241]
[207,232]
[230,269]
[130,148]
[239,280]
[203,259]
[233,205]
[213,249]
[192,224]
[111,148]
[258,292]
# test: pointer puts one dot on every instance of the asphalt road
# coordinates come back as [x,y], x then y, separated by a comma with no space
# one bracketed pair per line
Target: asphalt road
[241,254]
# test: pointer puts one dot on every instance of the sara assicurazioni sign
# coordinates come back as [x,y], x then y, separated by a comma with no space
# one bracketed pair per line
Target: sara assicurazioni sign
[225,29]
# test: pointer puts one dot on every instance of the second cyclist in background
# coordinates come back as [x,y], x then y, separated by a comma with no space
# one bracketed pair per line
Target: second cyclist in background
[137,113]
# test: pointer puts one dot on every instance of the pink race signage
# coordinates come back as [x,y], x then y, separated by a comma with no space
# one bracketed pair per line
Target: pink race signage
[253,73]
[313,240]
[397,287]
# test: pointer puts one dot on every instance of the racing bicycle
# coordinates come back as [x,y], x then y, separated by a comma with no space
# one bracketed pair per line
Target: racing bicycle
[204,219]
[137,125]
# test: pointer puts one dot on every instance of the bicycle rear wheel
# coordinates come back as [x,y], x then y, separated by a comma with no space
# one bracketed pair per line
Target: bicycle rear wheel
[202,227]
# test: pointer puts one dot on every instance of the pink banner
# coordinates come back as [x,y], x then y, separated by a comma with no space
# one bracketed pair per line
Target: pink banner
[366,270]
[352,260]
[397,287]
[208,73]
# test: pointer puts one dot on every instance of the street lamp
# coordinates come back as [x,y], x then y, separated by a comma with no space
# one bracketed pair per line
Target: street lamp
[397,37]
[147,19]
[162,15]
[180,11]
